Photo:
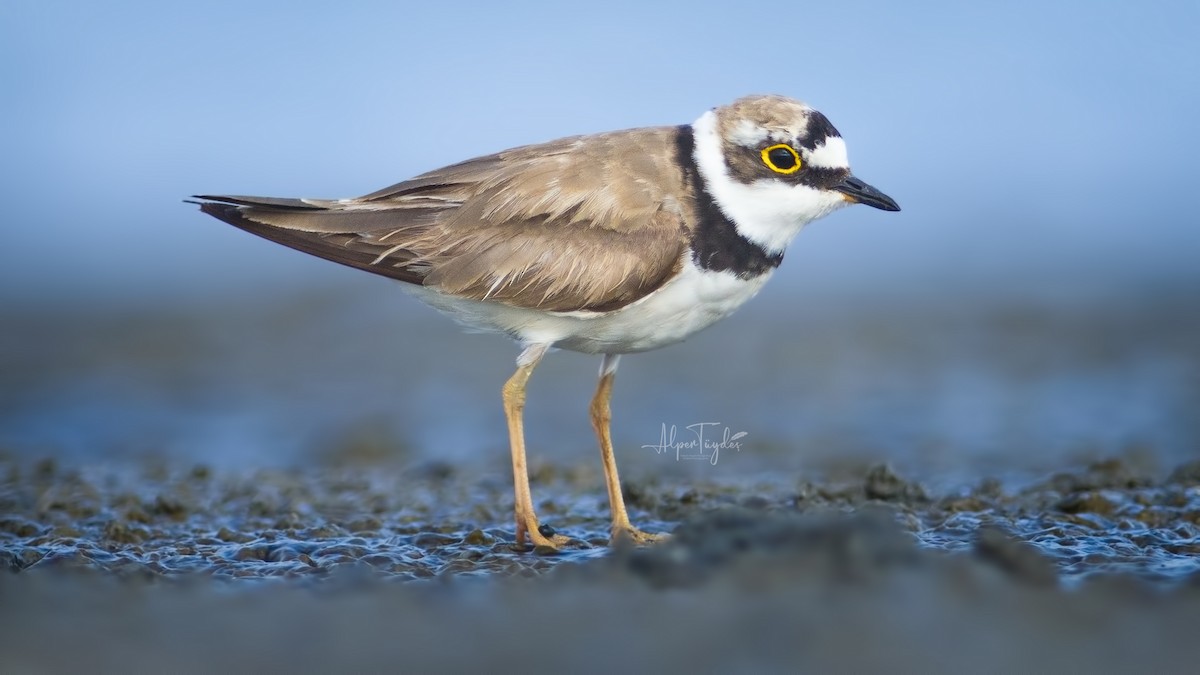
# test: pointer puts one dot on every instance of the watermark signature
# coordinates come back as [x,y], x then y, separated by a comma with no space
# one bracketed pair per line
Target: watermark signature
[698,446]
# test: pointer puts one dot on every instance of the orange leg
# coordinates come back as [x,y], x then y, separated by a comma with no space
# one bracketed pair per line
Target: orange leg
[601,419]
[514,406]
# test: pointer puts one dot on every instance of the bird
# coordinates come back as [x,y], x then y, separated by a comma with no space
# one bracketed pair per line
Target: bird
[607,244]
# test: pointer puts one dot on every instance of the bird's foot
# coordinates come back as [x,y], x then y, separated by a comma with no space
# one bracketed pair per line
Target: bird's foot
[543,537]
[629,533]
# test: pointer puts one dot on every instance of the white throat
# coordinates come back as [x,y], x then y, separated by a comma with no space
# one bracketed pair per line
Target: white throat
[767,212]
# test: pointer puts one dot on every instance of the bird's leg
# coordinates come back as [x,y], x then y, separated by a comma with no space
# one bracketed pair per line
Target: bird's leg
[601,417]
[514,406]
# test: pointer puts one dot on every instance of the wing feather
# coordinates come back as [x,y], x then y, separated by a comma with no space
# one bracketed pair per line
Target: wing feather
[587,223]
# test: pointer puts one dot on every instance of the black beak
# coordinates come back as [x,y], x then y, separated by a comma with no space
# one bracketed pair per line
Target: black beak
[858,191]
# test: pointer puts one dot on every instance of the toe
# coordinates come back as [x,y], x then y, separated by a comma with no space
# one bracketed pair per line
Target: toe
[544,538]
[636,536]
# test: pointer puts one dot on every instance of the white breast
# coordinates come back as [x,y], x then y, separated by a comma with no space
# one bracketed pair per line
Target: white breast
[692,301]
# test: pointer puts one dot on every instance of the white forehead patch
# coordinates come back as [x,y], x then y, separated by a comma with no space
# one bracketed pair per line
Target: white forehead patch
[831,154]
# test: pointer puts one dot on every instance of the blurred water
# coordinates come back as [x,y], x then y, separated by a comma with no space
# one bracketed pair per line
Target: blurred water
[947,391]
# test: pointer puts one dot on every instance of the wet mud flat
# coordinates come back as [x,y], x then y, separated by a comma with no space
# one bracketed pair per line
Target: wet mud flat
[193,569]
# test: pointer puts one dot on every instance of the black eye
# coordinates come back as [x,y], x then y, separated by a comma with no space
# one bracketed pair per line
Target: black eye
[781,159]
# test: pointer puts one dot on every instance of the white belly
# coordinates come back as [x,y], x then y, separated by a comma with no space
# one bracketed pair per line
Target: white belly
[692,301]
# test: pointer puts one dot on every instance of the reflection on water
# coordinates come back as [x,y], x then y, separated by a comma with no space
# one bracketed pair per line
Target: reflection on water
[945,393]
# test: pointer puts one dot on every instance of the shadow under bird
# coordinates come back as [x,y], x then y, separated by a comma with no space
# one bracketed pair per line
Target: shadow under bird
[608,244]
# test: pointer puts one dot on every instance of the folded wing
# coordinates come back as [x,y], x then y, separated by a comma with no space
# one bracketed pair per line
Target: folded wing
[590,223]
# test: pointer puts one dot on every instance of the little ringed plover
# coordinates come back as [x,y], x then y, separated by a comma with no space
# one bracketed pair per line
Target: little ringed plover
[606,244]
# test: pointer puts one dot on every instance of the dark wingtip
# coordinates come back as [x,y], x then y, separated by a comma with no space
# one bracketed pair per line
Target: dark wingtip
[229,213]
[259,202]
[208,200]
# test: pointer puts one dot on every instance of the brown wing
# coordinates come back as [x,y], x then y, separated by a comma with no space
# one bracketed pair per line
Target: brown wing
[584,223]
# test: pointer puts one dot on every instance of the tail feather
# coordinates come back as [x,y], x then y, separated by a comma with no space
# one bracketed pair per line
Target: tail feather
[319,231]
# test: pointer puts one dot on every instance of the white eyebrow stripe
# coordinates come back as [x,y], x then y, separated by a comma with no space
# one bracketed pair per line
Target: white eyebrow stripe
[748,134]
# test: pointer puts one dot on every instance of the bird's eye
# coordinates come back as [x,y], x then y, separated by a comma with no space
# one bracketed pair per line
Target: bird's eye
[781,158]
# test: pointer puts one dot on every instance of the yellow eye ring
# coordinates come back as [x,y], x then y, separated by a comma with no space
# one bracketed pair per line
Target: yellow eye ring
[779,162]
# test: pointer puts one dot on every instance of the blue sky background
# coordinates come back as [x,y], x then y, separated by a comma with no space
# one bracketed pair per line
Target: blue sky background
[1038,148]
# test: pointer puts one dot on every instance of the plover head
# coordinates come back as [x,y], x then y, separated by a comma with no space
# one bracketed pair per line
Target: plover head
[773,164]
